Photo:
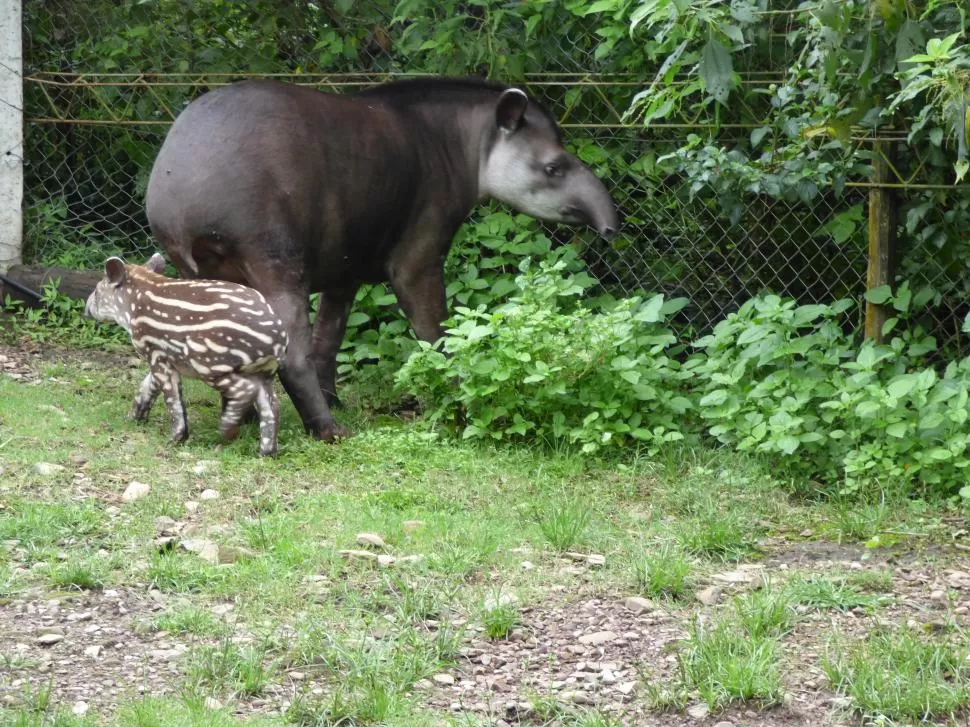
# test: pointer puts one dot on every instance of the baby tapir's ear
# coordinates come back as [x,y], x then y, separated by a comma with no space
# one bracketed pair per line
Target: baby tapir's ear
[156,263]
[114,269]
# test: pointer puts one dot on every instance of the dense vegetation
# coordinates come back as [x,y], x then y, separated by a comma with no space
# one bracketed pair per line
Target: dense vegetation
[784,101]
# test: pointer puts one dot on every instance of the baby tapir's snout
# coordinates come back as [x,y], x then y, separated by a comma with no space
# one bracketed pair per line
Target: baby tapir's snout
[223,333]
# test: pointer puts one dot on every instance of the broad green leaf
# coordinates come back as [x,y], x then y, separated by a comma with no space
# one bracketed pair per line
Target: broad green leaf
[715,398]
[757,135]
[788,444]
[902,300]
[897,430]
[650,312]
[961,168]
[357,318]
[716,70]
[879,295]
[901,385]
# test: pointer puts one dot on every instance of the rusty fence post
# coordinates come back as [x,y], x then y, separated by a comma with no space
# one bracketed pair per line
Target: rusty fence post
[882,238]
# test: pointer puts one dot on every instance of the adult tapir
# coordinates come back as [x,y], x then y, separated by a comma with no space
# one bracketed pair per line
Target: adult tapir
[294,191]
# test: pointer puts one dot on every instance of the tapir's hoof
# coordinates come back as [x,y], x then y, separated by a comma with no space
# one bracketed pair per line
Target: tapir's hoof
[270,452]
[332,433]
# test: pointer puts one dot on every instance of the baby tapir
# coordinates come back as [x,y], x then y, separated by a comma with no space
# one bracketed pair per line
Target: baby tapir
[225,334]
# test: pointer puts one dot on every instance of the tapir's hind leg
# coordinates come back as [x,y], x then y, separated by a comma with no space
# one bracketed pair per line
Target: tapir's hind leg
[297,372]
[269,418]
[238,394]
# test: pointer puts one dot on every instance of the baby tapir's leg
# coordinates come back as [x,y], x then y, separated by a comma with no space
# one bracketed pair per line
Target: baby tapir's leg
[150,386]
[238,393]
[269,417]
[169,381]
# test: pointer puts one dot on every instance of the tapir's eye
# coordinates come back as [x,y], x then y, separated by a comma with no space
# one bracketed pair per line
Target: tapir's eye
[553,170]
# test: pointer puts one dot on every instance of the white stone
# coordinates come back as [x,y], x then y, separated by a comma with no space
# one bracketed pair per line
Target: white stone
[80,708]
[136,490]
[597,638]
[46,469]
[209,494]
[93,652]
[371,540]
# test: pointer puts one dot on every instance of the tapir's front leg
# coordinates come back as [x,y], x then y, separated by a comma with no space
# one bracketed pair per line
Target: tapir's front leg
[145,398]
[170,383]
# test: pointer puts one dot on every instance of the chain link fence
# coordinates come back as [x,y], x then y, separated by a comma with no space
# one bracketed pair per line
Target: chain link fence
[102,84]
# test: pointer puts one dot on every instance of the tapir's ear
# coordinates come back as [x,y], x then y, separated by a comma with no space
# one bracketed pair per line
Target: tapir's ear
[511,108]
[156,263]
[114,268]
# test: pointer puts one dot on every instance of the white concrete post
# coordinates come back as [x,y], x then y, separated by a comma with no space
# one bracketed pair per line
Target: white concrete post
[11,134]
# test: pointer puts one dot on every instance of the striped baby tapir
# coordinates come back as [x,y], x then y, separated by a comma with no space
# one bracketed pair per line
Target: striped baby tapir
[223,333]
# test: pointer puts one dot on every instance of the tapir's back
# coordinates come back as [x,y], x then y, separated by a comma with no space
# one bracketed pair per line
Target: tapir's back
[212,327]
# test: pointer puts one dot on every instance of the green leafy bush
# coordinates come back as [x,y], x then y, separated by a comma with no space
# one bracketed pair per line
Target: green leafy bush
[545,366]
[787,381]
[480,270]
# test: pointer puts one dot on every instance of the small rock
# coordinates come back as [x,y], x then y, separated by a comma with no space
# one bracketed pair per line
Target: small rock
[112,510]
[191,506]
[79,709]
[79,460]
[626,688]
[577,697]
[46,469]
[444,679]
[212,703]
[135,491]
[578,557]
[526,565]
[598,638]
[93,652]
[698,711]
[596,560]
[637,604]
[709,596]
[576,649]
[166,526]
[938,595]
[133,362]
[805,534]
[410,526]
[358,555]
[49,639]
[724,723]
[209,494]
[297,676]
[221,609]
[385,561]
[208,550]
[371,540]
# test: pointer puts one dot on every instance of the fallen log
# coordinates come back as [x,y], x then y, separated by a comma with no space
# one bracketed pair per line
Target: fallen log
[76,284]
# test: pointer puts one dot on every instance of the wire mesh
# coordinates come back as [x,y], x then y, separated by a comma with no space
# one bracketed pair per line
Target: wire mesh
[104,79]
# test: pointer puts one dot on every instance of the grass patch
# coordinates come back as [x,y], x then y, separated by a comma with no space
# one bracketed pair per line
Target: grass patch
[839,594]
[190,620]
[500,619]
[723,664]
[244,670]
[901,675]
[765,612]
[83,575]
[664,572]
[562,521]
[720,534]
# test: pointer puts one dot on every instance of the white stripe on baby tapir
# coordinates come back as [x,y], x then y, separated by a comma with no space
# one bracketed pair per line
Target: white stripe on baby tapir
[206,326]
[201,368]
[163,343]
[215,347]
[234,299]
[244,357]
[196,346]
[221,368]
[251,312]
[185,305]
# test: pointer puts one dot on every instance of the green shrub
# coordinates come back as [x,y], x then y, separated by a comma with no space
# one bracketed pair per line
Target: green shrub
[788,382]
[545,367]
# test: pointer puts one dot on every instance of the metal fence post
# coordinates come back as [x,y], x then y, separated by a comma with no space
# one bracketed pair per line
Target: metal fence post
[882,238]
[11,134]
